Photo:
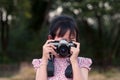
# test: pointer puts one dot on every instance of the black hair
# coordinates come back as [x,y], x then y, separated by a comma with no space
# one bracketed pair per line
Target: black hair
[64,23]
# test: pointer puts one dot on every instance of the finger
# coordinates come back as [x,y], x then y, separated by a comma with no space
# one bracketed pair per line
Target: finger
[78,44]
[71,52]
[48,41]
[54,52]
[51,45]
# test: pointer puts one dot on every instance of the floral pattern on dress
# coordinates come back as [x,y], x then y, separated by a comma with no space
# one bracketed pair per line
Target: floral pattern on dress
[60,66]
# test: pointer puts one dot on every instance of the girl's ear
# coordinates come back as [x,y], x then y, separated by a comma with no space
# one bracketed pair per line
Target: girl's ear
[50,37]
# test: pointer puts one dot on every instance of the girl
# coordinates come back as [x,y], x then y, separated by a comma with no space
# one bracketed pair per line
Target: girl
[62,27]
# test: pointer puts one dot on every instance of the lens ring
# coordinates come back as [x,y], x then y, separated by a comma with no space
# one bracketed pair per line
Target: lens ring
[63,50]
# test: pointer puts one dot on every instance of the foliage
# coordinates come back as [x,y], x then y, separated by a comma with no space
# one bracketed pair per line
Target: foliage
[98,22]
[99,28]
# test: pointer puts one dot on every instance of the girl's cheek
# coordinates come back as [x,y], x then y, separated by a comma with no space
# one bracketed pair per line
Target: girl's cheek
[57,38]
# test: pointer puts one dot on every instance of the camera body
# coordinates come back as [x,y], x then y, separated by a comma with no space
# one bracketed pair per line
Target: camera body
[63,47]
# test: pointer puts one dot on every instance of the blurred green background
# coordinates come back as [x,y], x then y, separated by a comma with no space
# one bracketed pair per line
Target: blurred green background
[24,28]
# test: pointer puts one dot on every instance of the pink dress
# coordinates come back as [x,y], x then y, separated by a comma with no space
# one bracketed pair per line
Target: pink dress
[60,66]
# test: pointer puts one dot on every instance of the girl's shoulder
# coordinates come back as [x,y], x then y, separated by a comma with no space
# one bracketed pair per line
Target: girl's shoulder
[82,61]
[85,62]
[36,63]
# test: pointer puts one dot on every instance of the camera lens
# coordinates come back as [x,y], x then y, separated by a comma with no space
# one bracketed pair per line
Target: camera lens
[63,50]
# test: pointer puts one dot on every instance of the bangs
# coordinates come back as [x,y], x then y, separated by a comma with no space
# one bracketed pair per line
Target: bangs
[61,24]
[64,27]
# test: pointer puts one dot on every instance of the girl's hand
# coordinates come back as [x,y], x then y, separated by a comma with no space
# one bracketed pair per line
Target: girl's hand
[47,49]
[75,52]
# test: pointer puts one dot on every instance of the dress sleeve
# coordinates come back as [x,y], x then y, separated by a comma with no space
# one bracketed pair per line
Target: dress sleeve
[36,63]
[84,62]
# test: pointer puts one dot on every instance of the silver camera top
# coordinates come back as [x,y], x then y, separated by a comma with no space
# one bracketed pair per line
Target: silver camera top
[63,42]
[58,43]
[63,47]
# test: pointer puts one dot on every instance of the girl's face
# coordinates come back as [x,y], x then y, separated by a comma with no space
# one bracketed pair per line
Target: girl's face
[66,36]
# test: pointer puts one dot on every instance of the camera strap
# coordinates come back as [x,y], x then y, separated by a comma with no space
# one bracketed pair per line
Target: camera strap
[50,66]
[69,72]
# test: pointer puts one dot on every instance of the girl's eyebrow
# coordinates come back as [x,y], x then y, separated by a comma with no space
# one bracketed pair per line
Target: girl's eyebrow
[72,36]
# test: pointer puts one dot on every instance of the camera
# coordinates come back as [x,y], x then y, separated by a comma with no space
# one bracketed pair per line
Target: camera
[63,47]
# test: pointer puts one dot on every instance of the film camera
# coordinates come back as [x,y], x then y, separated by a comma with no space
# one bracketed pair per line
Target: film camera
[63,47]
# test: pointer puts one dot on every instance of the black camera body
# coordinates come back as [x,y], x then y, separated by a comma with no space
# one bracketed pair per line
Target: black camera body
[63,47]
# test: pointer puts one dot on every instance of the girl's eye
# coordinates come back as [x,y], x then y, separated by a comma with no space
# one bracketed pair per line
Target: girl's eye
[73,39]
